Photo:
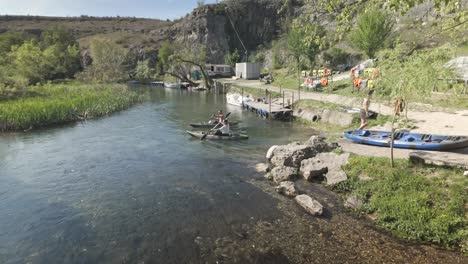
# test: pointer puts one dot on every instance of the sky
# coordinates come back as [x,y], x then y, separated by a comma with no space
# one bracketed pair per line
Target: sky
[162,9]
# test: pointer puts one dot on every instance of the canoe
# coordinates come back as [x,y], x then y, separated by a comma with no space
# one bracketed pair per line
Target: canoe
[171,85]
[209,125]
[407,140]
[200,134]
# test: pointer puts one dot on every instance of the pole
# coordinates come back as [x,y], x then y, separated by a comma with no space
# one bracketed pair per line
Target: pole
[269,99]
[283,98]
[292,103]
[242,97]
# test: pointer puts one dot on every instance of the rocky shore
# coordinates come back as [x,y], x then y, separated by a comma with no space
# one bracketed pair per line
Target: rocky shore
[315,160]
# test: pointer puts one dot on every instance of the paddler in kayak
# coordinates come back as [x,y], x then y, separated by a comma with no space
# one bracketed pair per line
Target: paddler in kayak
[224,130]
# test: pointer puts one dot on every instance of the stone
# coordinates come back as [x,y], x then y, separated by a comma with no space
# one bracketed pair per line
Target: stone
[335,176]
[310,205]
[313,169]
[353,202]
[292,154]
[465,173]
[262,167]
[269,154]
[328,164]
[283,173]
[287,188]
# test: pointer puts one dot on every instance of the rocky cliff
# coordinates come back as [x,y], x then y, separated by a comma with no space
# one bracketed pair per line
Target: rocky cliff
[256,22]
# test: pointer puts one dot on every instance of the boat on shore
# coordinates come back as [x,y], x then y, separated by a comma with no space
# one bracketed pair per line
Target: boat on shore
[232,136]
[171,85]
[237,99]
[407,140]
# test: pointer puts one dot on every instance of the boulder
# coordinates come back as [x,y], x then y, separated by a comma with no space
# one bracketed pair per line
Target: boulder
[353,202]
[465,174]
[328,164]
[262,167]
[283,173]
[335,176]
[287,188]
[313,169]
[292,154]
[310,205]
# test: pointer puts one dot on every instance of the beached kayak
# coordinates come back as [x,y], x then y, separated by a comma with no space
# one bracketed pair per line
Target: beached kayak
[407,140]
[200,134]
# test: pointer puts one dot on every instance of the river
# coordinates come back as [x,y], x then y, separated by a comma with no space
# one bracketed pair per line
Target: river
[131,185]
[135,188]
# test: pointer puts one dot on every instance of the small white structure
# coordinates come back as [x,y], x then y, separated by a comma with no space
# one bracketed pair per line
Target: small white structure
[219,70]
[247,70]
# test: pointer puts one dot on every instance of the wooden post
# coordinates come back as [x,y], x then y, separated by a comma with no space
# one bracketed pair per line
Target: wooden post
[283,98]
[269,101]
[242,97]
[292,101]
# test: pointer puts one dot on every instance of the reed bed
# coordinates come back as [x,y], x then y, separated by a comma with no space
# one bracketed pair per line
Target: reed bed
[54,104]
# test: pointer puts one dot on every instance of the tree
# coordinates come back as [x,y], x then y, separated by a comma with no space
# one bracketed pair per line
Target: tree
[108,65]
[30,62]
[200,3]
[143,71]
[297,49]
[232,58]
[373,28]
[164,54]
[184,58]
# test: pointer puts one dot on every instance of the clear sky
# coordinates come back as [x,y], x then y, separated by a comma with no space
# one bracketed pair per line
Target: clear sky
[162,9]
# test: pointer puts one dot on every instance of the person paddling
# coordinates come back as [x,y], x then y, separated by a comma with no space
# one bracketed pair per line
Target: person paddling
[224,130]
[364,113]
[220,117]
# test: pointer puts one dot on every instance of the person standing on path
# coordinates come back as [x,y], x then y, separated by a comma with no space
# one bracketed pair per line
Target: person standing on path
[364,113]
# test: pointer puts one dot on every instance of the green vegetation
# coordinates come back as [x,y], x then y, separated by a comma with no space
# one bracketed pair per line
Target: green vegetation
[52,104]
[373,29]
[420,203]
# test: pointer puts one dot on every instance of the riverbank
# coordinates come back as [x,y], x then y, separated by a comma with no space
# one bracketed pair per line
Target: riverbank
[418,203]
[54,104]
[424,118]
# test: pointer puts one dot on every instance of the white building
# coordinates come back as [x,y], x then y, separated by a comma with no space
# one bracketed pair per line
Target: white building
[248,71]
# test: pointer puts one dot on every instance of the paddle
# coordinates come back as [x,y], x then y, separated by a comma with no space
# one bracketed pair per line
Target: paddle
[204,136]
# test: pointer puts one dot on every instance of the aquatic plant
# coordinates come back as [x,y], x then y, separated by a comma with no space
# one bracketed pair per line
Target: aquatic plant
[62,103]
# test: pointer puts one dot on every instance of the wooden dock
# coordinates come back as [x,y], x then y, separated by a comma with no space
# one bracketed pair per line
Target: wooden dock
[269,110]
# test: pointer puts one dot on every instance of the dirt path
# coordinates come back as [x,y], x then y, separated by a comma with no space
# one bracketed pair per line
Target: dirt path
[430,120]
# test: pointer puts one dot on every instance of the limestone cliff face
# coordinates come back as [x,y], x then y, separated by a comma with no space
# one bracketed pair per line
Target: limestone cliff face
[256,22]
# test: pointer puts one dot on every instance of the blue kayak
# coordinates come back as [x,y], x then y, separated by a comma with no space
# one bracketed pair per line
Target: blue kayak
[407,140]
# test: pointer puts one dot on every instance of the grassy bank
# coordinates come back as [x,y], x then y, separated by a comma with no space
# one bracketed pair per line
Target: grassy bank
[53,104]
[419,203]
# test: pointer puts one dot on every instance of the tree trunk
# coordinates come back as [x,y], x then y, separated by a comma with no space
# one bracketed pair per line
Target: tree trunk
[208,81]
[392,138]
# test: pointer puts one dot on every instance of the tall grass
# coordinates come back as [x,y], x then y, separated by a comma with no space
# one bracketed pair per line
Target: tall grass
[53,104]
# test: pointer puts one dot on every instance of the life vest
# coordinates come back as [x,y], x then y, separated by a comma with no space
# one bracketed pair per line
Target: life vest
[357,82]
[314,72]
[324,82]
[308,80]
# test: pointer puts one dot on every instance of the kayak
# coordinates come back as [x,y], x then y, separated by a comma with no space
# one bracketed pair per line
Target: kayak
[200,134]
[407,140]
[209,125]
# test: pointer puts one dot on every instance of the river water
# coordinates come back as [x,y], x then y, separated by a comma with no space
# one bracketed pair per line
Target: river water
[132,187]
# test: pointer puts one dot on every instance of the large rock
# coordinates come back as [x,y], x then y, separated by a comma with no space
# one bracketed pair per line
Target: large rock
[465,173]
[292,154]
[335,176]
[283,173]
[310,205]
[328,164]
[287,188]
